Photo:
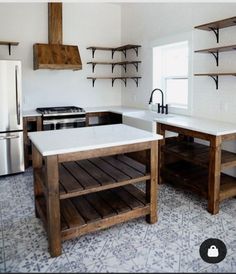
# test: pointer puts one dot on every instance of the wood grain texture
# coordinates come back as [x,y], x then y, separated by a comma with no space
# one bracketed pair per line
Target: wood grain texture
[228,22]
[55,35]
[214,176]
[53,206]
[55,56]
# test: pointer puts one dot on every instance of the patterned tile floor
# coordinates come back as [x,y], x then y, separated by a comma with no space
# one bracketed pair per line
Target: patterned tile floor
[171,245]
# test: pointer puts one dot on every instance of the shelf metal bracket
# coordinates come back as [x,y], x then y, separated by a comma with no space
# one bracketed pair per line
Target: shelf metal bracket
[135,80]
[93,80]
[9,48]
[216,55]
[136,50]
[93,51]
[123,79]
[136,66]
[216,31]
[123,65]
[93,67]
[112,53]
[216,79]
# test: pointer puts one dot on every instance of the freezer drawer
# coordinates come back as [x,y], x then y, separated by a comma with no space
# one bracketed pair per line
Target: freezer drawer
[11,153]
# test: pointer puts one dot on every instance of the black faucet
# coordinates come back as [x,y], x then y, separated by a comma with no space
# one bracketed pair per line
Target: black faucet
[161,107]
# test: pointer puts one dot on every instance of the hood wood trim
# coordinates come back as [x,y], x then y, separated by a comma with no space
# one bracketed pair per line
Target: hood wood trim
[55,55]
[55,23]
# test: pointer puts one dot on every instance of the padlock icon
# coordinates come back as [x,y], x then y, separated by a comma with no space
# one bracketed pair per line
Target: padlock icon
[213,251]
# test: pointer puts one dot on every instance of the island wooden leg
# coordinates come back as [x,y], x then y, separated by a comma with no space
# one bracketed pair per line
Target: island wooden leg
[151,185]
[53,206]
[37,164]
[214,175]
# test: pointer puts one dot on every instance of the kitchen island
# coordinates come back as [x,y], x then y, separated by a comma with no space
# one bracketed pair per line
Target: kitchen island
[84,181]
[195,165]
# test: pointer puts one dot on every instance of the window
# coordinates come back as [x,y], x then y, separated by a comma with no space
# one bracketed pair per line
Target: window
[170,73]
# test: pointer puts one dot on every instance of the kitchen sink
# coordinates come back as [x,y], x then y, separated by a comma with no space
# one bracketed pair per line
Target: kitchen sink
[145,120]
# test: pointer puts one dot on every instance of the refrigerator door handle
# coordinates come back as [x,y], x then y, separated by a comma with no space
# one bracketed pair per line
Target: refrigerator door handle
[9,137]
[17,96]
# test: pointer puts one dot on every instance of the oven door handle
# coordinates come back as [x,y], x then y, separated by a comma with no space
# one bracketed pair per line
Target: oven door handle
[63,121]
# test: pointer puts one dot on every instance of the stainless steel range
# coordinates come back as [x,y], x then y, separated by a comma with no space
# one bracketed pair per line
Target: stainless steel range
[62,117]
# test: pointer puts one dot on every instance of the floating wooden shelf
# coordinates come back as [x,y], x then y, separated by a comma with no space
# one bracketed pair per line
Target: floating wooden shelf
[113,64]
[113,50]
[215,75]
[195,178]
[124,79]
[9,44]
[216,25]
[215,51]
[197,153]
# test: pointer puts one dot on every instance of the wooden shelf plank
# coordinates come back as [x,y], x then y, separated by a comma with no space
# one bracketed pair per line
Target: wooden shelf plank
[115,63]
[88,176]
[216,74]
[6,43]
[218,24]
[228,187]
[100,48]
[197,153]
[125,47]
[195,178]
[113,207]
[127,77]
[217,49]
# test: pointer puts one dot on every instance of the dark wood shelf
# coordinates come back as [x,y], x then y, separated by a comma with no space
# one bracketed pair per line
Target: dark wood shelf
[195,178]
[215,76]
[95,211]
[114,49]
[197,153]
[217,25]
[9,44]
[88,176]
[124,79]
[215,51]
[113,64]
[220,24]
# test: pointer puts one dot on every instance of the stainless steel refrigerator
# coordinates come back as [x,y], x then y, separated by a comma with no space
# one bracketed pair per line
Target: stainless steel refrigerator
[11,121]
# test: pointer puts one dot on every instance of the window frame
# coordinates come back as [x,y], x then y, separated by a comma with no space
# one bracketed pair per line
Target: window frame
[165,41]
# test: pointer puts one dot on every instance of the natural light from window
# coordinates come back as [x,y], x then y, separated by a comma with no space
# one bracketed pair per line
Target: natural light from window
[170,73]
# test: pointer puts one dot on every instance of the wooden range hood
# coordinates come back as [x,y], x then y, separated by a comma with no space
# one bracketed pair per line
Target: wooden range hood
[55,55]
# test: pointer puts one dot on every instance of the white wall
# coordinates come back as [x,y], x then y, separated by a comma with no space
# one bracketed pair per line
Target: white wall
[83,25]
[149,22]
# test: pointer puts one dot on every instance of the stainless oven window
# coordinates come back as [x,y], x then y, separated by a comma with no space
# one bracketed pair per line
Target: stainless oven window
[52,124]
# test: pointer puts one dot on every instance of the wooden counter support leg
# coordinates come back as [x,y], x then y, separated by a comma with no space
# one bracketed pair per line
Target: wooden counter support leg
[151,185]
[53,206]
[161,143]
[214,175]
[37,163]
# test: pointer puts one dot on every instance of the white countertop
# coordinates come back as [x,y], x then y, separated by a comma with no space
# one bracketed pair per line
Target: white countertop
[53,142]
[30,113]
[204,125]
[115,109]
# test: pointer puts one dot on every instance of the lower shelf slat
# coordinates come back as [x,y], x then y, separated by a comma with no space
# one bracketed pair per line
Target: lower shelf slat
[83,214]
[195,178]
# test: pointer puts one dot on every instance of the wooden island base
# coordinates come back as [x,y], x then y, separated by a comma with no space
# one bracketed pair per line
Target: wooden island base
[75,197]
